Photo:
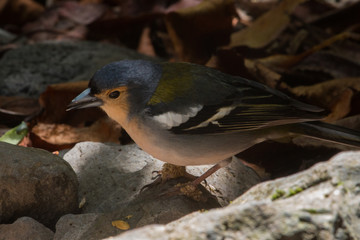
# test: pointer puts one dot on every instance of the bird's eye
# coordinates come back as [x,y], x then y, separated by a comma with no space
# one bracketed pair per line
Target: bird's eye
[114,94]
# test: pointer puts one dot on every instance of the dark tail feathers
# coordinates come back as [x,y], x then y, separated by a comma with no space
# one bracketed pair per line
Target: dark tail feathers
[328,132]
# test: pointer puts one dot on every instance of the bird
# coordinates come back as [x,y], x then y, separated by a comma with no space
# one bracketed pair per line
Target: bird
[189,114]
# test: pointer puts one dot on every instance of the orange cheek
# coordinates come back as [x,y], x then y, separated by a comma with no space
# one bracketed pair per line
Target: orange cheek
[118,113]
[116,109]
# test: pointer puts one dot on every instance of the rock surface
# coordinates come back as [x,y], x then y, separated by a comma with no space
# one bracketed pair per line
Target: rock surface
[85,226]
[110,174]
[28,70]
[5,36]
[110,179]
[25,228]
[35,183]
[320,203]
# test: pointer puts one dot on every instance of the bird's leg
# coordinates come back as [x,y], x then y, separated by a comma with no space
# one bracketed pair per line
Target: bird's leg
[190,189]
[167,172]
[170,171]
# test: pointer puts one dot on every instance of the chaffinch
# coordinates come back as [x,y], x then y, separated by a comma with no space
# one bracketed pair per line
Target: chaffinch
[188,114]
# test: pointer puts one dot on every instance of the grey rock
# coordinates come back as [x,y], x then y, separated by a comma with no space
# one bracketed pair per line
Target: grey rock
[84,226]
[110,175]
[110,180]
[35,183]
[6,37]
[25,228]
[29,69]
[320,203]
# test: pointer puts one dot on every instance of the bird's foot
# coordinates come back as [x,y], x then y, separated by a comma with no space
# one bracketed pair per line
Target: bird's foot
[169,171]
[191,189]
[188,189]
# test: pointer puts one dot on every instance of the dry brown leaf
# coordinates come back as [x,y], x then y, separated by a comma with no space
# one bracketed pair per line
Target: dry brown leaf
[66,20]
[55,99]
[82,202]
[262,73]
[103,130]
[198,30]
[120,224]
[145,44]
[134,8]
[19,11]
[341,106]
[45,21]
[286,61]
[18,105]
[91,1]
[26,141]
[3,4]
[323,94]
[14,109]
[352,122]
[81,13]
[267,27]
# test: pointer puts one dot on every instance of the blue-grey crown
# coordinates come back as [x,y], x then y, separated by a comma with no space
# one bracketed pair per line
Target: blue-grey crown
[141,73]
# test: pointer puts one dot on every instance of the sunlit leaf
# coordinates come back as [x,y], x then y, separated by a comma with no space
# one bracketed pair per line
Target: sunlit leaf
[267,27]
[120,224]
[16,134]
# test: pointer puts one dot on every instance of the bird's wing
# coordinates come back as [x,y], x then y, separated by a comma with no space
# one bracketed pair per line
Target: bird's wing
[202,100]
[251,106]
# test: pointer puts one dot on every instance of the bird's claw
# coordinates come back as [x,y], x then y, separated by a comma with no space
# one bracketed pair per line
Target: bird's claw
[188,189]
[158,180]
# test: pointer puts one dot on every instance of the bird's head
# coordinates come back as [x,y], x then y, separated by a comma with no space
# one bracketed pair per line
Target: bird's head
[120,86]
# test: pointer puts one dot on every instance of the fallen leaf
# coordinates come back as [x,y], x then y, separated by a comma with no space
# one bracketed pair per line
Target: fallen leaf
[145,44]
[262,73]
[82,202]
[55,100]
[197,31]
[255,8]
[352,122]
[103,130]
[40,143]
[126,20]
[3,4]
[120,224]
[311,10]
[26,141]
[19,11]
[81,13]
[267,27]
[281,61]
[16,134]
[14,109]
[323,94]
[132,8]
[341,106]
[339,19]
[46,21]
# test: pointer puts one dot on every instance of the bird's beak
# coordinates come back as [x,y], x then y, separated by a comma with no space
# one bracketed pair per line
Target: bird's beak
[84,100]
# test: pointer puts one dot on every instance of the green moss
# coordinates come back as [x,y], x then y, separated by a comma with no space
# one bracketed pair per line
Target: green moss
[281,193]
[278,194]
[340,184]
[316,211]
[294,191]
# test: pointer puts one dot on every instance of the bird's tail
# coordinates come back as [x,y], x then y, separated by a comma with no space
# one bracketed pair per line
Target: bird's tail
[328,132]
